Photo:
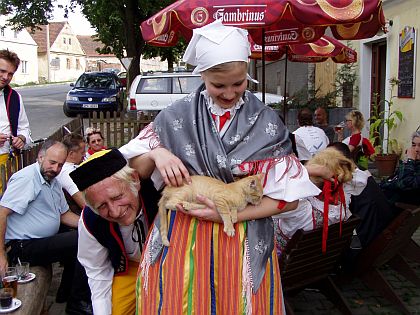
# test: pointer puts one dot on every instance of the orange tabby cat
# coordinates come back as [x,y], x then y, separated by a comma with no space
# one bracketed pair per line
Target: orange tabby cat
[228,198]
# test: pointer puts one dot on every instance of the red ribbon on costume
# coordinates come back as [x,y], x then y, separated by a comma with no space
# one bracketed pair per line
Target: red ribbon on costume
[222,119]
[331,194]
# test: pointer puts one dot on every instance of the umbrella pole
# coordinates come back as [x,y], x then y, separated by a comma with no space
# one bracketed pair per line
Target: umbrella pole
[285,86]
[263,65]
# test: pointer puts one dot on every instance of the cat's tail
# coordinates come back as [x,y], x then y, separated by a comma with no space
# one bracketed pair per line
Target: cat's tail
[163,227]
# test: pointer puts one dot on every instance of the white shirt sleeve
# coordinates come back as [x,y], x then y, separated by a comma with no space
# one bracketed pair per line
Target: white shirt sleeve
[94,257]
[65,180]
[289,185]
[140,144]
[23,123]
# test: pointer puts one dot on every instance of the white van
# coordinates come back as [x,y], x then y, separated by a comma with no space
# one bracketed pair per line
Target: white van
[154,92]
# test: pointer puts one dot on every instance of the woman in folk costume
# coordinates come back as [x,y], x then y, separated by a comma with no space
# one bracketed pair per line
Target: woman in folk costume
[222,131]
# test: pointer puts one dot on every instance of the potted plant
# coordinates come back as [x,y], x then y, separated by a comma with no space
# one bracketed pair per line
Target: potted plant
[386,156]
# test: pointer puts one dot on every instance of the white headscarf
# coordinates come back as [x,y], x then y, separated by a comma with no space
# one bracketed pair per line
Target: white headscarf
[215,44]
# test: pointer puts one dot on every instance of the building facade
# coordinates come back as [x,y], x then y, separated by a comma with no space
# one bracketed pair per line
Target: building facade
[21,43]
[382,59]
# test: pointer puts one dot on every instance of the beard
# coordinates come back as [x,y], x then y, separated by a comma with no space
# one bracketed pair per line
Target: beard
[48,175]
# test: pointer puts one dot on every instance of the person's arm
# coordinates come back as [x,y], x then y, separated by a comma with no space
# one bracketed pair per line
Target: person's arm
[95,259]
[143,164]
[4,212]
[23,131]
[79,199]
[170,167]
[69,218]
[268,207]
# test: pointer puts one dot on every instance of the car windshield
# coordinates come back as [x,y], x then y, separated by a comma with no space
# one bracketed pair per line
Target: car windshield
[95,82]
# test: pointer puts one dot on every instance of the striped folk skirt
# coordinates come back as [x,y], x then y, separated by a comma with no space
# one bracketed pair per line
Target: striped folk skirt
[202,273]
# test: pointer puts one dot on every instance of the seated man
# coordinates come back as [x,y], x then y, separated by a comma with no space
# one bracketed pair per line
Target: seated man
[31,210]
[113,229]
[404,186]
[76,147]
[313,139]
[321,121]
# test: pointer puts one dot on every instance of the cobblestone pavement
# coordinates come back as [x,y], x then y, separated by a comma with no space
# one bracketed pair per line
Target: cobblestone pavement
[362,300]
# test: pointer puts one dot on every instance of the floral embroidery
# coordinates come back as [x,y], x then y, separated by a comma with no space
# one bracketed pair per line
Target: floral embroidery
[221,161]
[189,97]
[246,139]
[271,129]
[189,149]
[235,161]
[177,124]
[261,247]
[234,139]
[252,119]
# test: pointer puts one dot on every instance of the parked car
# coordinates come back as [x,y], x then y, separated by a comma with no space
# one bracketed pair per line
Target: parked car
[94,91]
[122,75]
[154,92]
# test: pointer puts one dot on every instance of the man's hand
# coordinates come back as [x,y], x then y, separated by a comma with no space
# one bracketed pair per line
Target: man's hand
[170,167]
[209,214]
[3,139]
[18,142]
[412,154]
[3,262]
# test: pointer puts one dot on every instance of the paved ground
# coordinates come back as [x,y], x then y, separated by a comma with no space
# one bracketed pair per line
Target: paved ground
[362,300]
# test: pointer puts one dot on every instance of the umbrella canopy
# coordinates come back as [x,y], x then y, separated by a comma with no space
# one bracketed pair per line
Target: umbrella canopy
[318,51]
[284,21]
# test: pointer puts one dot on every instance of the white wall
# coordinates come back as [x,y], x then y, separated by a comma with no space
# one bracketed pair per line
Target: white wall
[25,47]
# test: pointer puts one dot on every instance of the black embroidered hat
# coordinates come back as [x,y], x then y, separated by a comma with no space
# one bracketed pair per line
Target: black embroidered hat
[97,167]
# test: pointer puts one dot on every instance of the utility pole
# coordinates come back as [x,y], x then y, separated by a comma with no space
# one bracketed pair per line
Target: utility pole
[48,54]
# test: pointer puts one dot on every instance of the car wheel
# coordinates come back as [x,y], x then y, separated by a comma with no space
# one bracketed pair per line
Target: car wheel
[66,111]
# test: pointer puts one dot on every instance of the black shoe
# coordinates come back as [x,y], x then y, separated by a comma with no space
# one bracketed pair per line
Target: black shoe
[79,308]
[355,242]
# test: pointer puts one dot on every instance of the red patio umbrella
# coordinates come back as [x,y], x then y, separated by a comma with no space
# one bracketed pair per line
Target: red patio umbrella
[318,51]
[284,21]
[268,21]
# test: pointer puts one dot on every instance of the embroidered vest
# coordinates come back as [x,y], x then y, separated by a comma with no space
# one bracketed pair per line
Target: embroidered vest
[108,234]
[12,101]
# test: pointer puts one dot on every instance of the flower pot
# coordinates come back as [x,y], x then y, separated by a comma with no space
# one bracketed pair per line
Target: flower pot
[386,163]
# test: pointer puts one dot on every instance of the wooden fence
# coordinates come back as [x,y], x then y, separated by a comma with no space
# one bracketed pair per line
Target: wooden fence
[117,131]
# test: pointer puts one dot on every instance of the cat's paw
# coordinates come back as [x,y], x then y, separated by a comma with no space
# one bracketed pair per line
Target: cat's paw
[230,231]
[165,241]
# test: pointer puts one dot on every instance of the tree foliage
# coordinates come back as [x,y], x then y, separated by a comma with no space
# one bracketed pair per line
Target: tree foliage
[117,24]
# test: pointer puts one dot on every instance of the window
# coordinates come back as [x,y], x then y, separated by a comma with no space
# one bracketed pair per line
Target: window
[68,63]
[185,85]
[24,66]
[2,31]
[64,40]
[154,85]
[77,64]
[69,41]
[15,34]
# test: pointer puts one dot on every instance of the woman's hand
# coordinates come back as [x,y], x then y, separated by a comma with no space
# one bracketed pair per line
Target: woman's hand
[209,214]
[170,167]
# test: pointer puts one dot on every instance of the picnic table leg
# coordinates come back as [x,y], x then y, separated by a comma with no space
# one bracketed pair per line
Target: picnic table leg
[400,264]
[330,290]
[411,251]
[375,280]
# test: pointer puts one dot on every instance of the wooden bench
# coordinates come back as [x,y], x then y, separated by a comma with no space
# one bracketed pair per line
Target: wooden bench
[392,247]
[34,293]
[303,265]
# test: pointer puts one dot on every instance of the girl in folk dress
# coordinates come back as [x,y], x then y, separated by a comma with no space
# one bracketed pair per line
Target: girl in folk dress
[222,131]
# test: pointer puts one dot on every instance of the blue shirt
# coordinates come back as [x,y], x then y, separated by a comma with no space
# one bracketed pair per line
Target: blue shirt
[36,204]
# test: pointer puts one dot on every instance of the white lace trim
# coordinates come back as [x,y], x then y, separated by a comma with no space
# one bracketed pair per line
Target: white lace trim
[216,109]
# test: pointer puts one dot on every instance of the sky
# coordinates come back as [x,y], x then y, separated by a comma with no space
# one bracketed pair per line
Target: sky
[77,21]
